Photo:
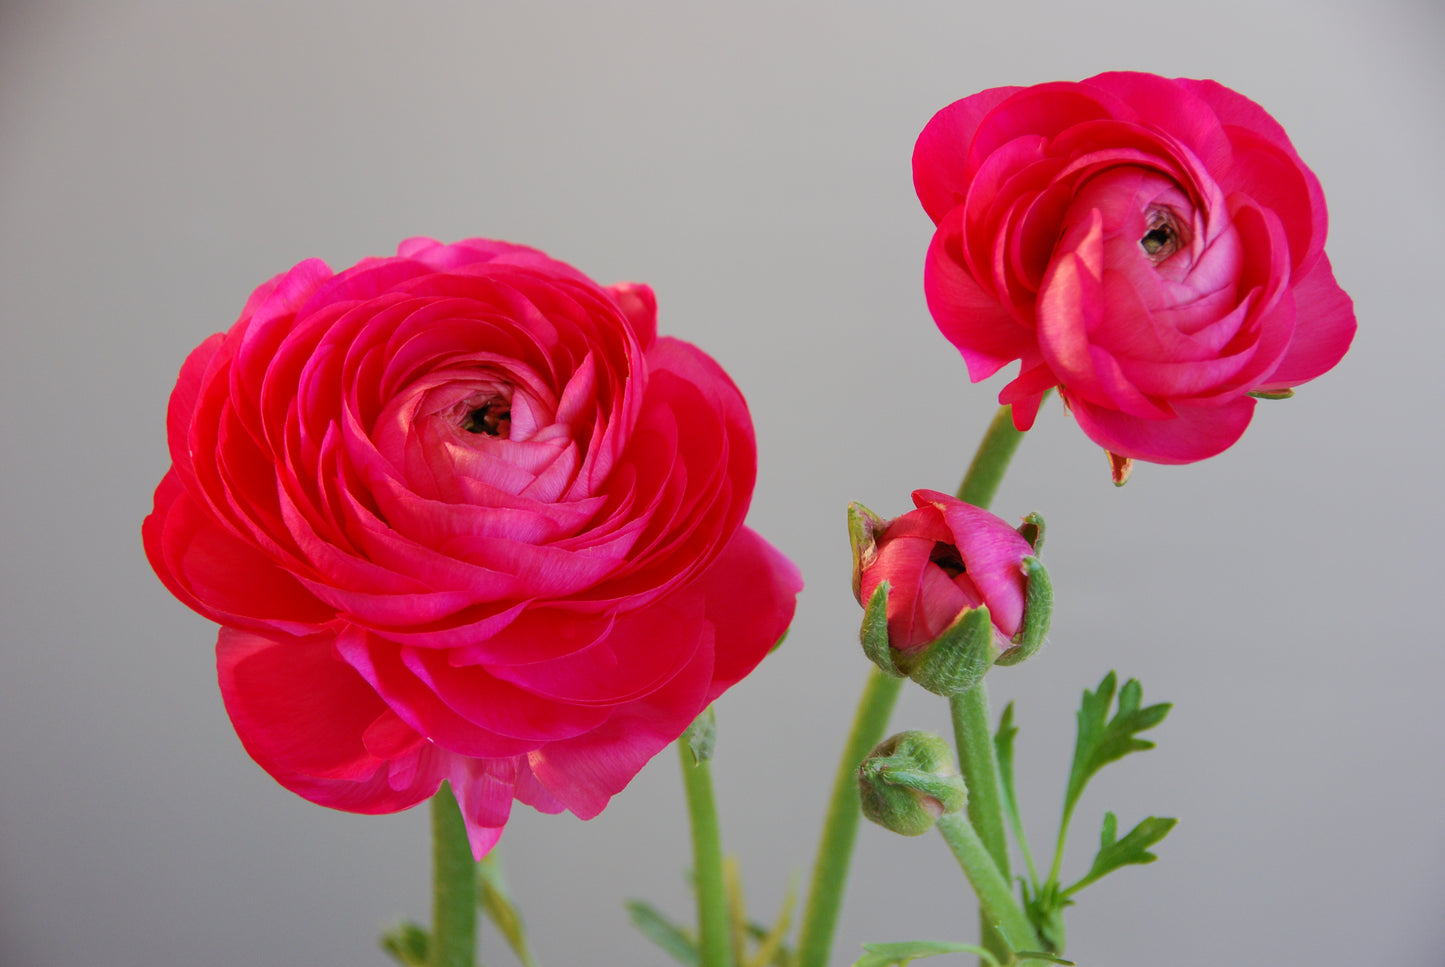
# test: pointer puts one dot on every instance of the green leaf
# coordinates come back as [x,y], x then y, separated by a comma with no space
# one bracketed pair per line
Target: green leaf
[701,736]
[1277,394]
[900,954]
[771,951]
[1102,739]
[408,944]
[1133,849]
[675,941]
[498,907]
[1032,956]
[1003,744]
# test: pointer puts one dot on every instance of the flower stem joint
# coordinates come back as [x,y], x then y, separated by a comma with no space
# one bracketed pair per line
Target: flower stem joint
[908,781]
[948,591]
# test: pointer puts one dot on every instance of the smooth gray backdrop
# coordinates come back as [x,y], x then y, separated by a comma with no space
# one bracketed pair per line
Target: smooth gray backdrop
[750,161]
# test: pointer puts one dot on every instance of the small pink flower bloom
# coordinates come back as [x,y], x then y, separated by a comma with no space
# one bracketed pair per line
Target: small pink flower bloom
[1153,247]
[463,515]
[940,560]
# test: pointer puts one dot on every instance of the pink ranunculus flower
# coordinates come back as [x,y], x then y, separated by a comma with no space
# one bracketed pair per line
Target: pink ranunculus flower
[462,515]
[1152,247]
[940,560]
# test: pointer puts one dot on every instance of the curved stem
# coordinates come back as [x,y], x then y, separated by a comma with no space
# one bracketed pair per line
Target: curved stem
[978,764]
[995,899]
[991,460]
[840,829]
[977,760]
[712,904]
[454,885]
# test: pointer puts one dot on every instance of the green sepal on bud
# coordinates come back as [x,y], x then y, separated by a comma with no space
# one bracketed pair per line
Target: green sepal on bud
[874,633]
[1032,530]
[863,528]
[959,658]
[910,780]
[1038,611]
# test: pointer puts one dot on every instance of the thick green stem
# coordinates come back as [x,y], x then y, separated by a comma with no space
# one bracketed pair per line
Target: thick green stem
[991,460]
[454,886]
[994,896]
[976,760]
[707,861]
[835,850]
[978,764]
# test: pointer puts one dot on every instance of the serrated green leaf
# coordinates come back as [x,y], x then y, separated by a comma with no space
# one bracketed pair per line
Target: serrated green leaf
[900,954]
[409,944]
[1132,850]
[498,907]
[1102,739]
[701,736]
[676,942]
[1003,744]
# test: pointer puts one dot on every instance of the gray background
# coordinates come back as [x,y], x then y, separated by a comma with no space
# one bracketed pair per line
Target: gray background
[751,162]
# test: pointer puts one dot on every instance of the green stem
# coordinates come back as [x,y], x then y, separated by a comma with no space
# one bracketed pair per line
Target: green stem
[971,727]
[994,896]
[840,829]
[991,460]
[712,904]
[454,885]
[978,764]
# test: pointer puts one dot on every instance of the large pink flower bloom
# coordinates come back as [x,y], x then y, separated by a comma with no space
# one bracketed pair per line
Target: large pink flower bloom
[462,515]
[1153,247]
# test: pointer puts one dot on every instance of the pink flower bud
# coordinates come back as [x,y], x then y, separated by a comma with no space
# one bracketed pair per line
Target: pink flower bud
[940,560]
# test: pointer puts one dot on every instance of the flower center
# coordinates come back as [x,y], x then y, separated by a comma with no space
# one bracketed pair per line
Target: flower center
[494,418]
[946,556]
[1162,238]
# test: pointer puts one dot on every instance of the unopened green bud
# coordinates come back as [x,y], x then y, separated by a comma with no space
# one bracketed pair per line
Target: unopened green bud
[910,780]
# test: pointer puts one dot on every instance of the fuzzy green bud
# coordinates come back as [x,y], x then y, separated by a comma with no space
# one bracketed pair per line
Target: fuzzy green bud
[910,780]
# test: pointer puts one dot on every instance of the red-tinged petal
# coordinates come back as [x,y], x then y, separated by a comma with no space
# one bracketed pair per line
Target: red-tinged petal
[939,175]
[643,650]
[221,576]
[495,705]
[1071,307]
[298,708]
[983,331]
[1324,328]
[484,789]
[751,592]
[1026,392]
[639,305]
[1195,433]
[1168,105]
[992,553]
[585,772]
[1251,128]
[379,664]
